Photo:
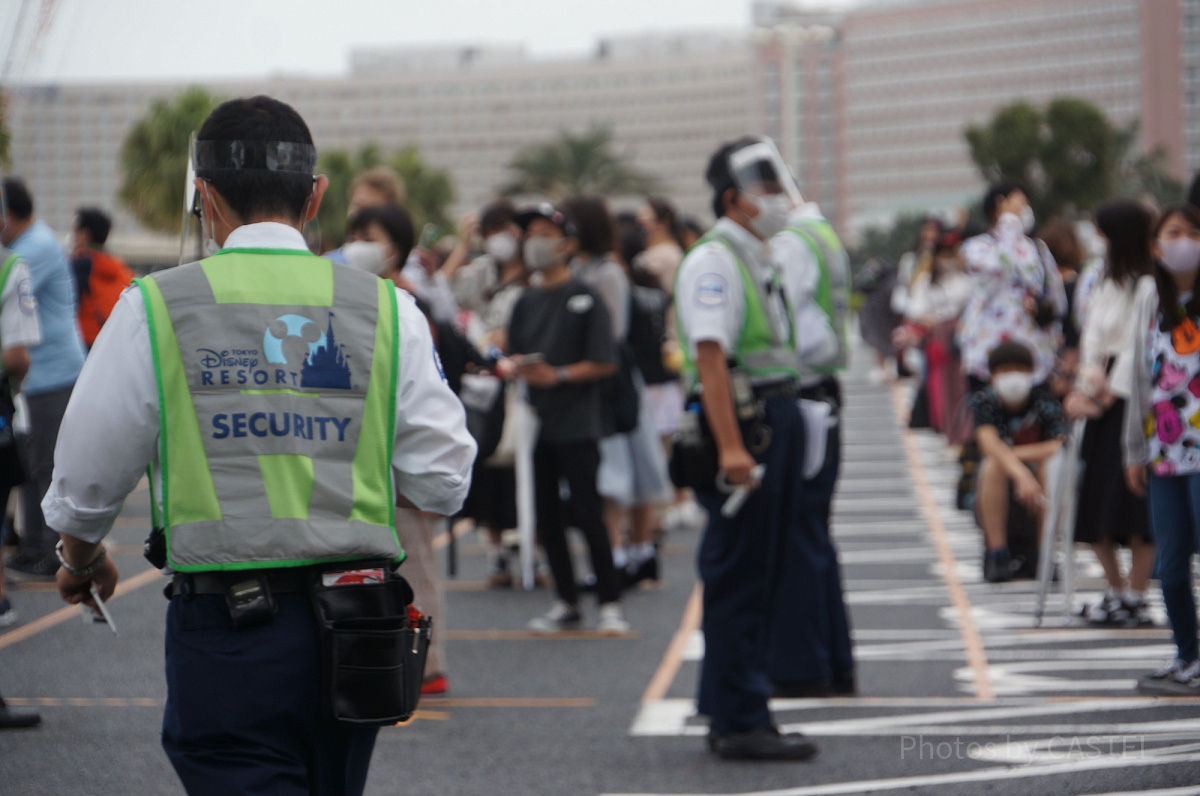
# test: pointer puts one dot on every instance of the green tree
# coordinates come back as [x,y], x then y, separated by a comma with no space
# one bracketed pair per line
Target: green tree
[576,164]
[154,158]
[340,167]
[1146,173]
[5,133]
[429,191]
[1069,156]
[889,243]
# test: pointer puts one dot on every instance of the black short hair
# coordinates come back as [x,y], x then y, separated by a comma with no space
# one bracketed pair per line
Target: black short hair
[255,193]
[718,175]
[17,198]
[394,221]
[1010,353]
[496,217]
[95,221]
[593,223]
[996,193]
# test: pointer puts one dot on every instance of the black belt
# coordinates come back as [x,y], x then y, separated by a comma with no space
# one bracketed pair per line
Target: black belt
[779,389]
[828,390]
[292,579]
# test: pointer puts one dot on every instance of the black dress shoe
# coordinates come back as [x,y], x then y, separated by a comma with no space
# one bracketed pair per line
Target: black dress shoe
[762,743]
[13,718]
[802,689]
[844,684]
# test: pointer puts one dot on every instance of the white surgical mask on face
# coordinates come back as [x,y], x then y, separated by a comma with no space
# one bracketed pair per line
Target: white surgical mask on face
[1027,219]
[1181,255]
[1013,387]
[772,215]
[502,246]
[366,255]
[540,253]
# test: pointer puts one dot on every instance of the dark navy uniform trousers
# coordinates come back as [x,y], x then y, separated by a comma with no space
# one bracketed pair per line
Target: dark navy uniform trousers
[739,562]
[243,708]
[810,630]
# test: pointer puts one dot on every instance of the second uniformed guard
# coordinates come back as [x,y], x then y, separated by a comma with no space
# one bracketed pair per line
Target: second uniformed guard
[287,405]
[737,335]
[810,649]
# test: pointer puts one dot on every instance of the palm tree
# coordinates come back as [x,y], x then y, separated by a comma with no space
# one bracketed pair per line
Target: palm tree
[428,189]
[576,164]
[340,167]
[154,158]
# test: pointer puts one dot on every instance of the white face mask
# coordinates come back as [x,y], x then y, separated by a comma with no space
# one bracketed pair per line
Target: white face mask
[1181,255]
[366,255]
[1027,219]
[502,246]
[540,253]
[1013,387]
[772,215]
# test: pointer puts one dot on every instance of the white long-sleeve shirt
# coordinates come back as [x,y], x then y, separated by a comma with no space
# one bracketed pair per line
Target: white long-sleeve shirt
[941,301]
[110,432]
[1108,332]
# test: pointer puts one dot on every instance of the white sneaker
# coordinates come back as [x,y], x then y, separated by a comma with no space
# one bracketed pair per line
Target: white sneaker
[561,616]
[8,614]
[691,516]
[612,619]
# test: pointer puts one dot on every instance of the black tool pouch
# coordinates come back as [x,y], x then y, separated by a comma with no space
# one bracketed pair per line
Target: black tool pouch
[695,460]
[373,658]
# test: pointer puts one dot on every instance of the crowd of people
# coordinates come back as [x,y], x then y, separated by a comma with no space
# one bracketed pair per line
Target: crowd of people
[1075,336]
[53,302]
[679,377]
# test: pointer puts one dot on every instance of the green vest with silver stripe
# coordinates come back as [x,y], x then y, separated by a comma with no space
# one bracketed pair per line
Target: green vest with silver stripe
[833,287]
[277,377]
[760,351]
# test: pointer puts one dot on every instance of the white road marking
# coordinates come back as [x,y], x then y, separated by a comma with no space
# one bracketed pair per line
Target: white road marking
[979,775]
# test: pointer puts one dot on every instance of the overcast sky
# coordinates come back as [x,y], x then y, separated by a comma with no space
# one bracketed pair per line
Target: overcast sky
[152,40]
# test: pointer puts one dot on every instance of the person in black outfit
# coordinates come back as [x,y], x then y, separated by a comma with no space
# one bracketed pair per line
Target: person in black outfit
[561,340]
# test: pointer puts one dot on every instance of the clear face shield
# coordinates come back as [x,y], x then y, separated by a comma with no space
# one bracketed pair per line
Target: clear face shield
[760,174]
[208,157]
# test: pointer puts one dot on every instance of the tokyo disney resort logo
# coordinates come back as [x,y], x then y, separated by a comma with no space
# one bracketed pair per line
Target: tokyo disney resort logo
[297,353]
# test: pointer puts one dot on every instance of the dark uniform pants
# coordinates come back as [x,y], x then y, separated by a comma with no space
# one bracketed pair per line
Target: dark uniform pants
[810,629]
[738,563]
[243,711]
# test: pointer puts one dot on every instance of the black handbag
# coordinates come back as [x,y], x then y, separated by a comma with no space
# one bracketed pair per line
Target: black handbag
[372,650]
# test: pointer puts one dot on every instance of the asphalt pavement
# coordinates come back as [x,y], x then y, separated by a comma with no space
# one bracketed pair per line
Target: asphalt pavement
[959,694]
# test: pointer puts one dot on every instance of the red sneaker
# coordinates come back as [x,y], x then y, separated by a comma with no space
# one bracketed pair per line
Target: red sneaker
[435,684]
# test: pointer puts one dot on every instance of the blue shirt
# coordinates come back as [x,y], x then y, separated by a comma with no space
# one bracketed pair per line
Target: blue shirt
[56,362]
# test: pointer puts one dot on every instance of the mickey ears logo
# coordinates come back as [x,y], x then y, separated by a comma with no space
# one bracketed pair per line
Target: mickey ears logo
[299,344]
[291,339]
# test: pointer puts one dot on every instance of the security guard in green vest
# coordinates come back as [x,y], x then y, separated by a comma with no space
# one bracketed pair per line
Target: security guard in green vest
[810,651]
[286,405]
[737,334]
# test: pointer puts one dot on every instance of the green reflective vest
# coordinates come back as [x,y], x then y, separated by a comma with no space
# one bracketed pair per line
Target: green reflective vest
[833,287]
[276,382]
[759,351]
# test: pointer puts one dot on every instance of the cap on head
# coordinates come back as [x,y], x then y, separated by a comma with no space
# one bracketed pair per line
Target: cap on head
[550,213]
